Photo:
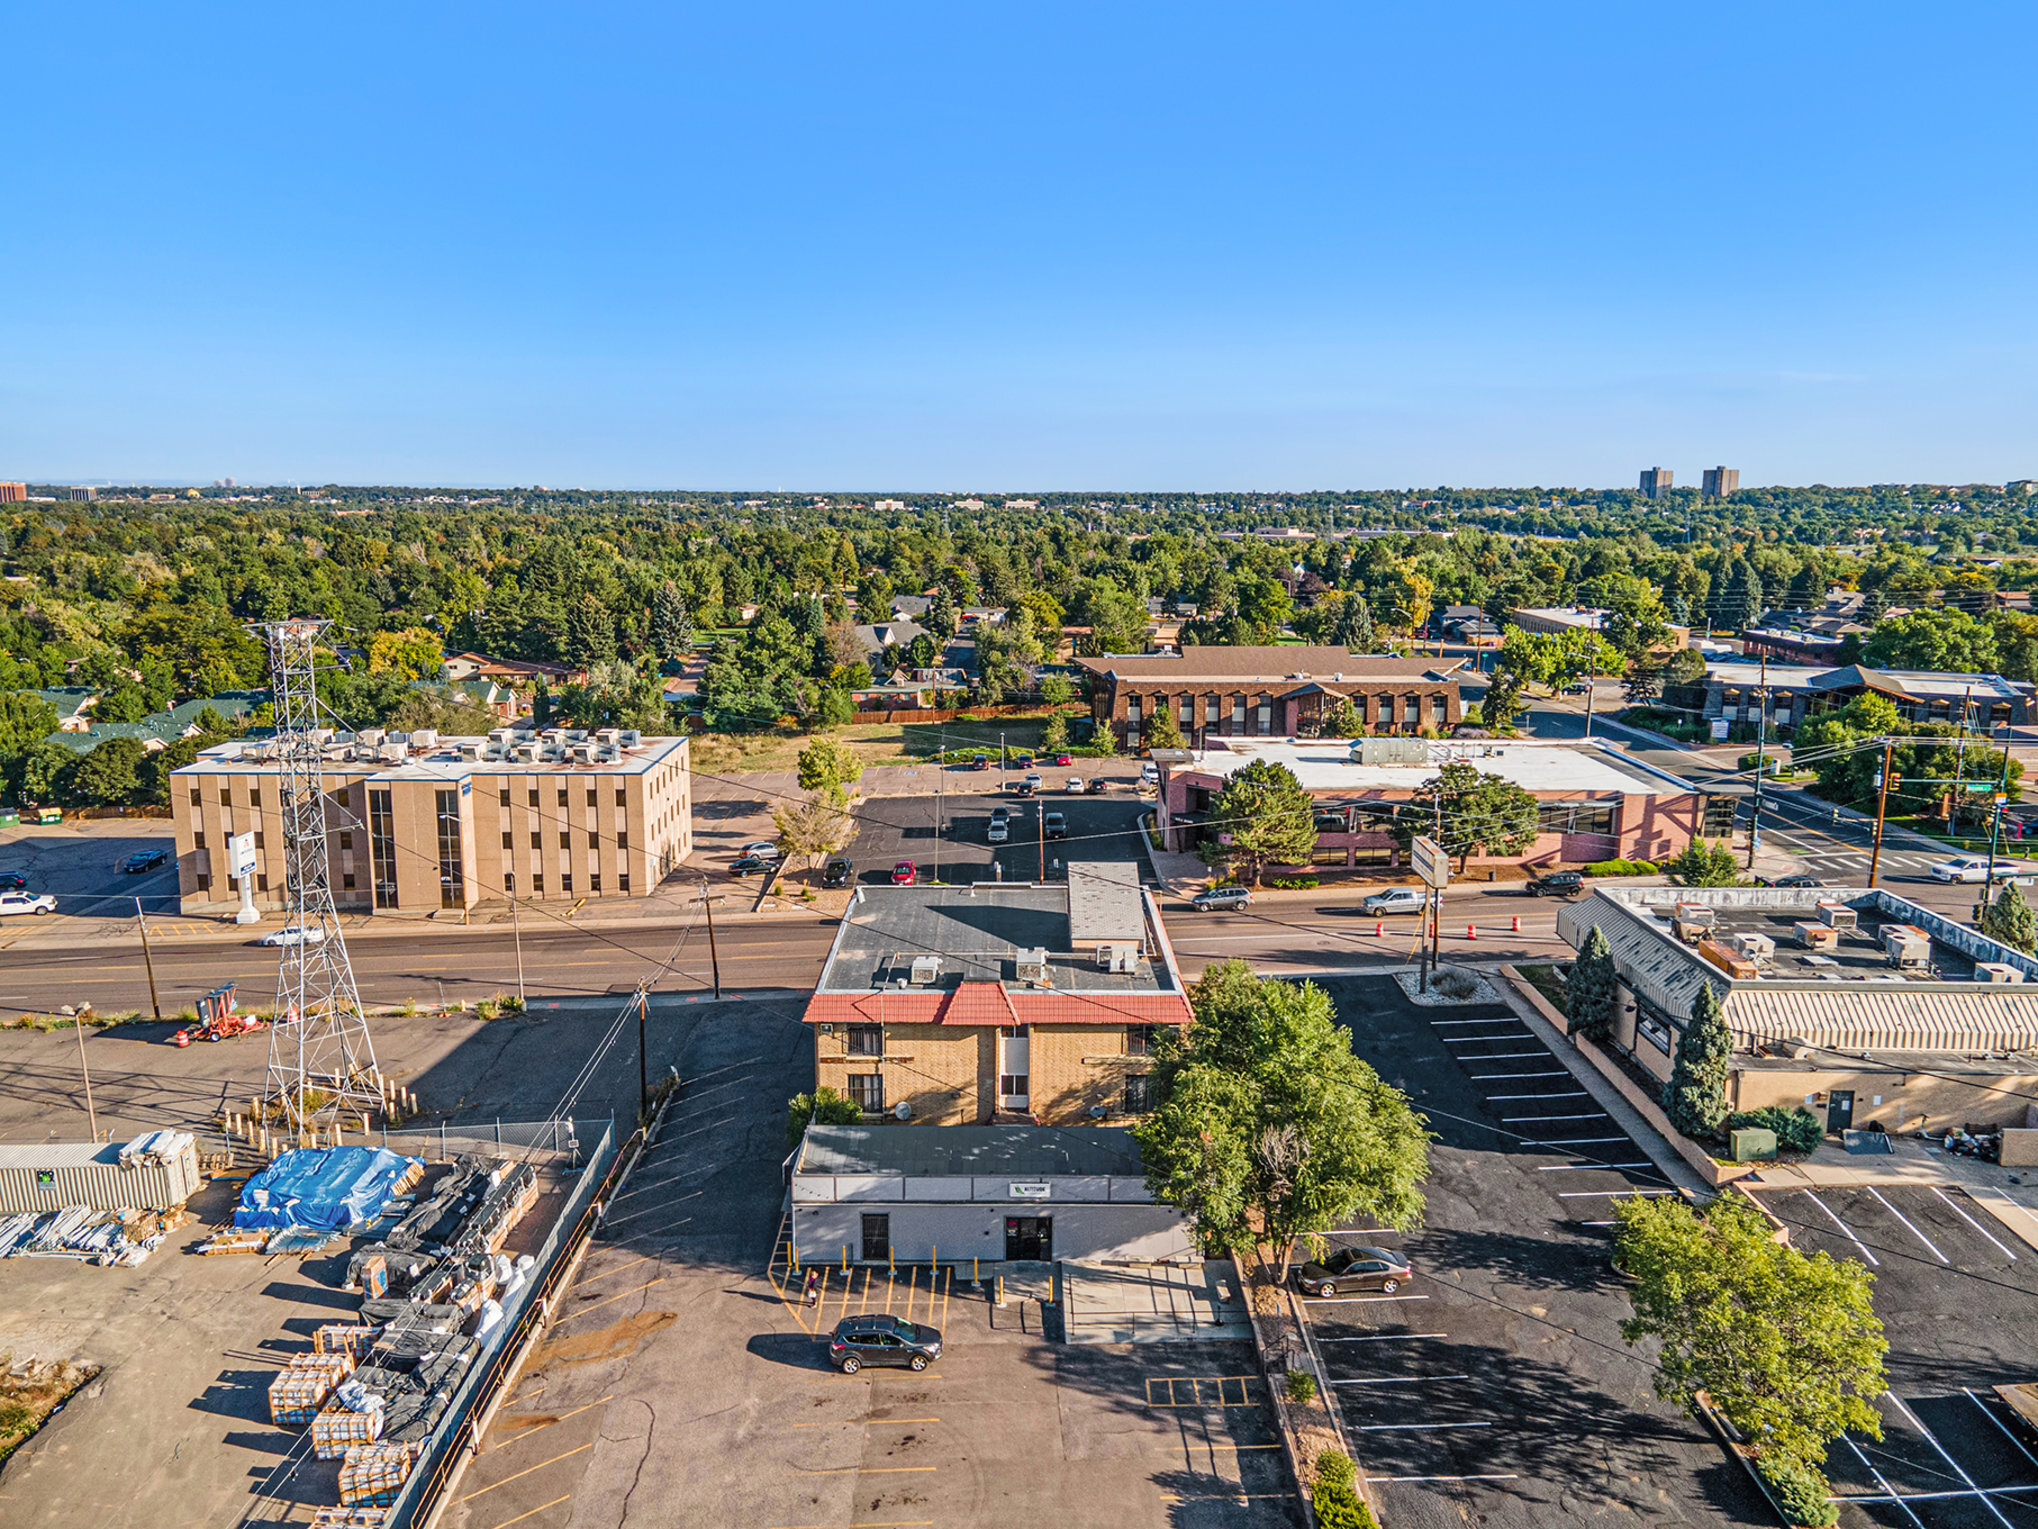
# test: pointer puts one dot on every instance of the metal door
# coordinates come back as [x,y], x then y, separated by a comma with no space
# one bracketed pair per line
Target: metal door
[1029,1238]
[877,1238]
[1839,1110]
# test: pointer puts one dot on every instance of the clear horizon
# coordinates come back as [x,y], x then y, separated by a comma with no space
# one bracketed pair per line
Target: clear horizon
[1317,244]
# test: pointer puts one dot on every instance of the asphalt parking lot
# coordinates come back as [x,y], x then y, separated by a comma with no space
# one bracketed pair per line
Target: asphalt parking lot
[1958,1297]
[1495,1389]
[895,828]
[80,863]
[683,1382]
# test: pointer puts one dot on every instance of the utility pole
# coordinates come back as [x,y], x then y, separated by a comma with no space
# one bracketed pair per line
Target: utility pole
[1881,811]
[91,1115]
[1040,813]
[148,960]
[517,934]
[1761,761]
[1959,765]
[714,955]
[643,1066]
[940,781]
[1995,822]
[1591,673]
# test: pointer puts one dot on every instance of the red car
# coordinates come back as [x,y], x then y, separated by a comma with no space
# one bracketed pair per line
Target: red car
[1064,759]
[905,873]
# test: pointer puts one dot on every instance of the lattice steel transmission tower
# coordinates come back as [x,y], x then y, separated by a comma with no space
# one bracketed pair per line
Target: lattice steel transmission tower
[321,1060]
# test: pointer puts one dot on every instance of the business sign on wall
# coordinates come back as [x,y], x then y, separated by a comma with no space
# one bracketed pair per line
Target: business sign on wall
[1031,1191]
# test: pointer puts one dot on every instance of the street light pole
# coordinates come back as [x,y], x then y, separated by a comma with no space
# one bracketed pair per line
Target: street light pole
[148,960]
[1881,812]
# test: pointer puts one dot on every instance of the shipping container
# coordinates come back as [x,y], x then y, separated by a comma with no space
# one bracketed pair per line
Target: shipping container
[53,1175]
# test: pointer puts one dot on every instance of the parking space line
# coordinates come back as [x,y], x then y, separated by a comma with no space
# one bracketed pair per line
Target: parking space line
[864,1304]
[1882,1480]
[1963,1215]
[1384,1338]
[1609,1194]
[1400,1380]
[1582,1167]
[1985,1412]
[861,1422]
[619,1268]
[1933,1440]
[1415,1427]
[871,1470]
[505,1524]
[1906,1220]
[1569,1093]
[1495,1077]
[1500,1056]
[1474,1040]
[1509,1120]
[520,1437]
[569,1316]
[1498,1476]
[527,1471]
[1358,1300]
[1576,1141]
[1440,1023]
[947,1289]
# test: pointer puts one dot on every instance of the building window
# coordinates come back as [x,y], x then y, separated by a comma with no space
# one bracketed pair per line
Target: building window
[261,883]
[622,797]
[1438,709]
[194,796]
[566,881]
[452,874]
[622,838]
[537,838]
[226,795]
[1013,1085]
[254,796]
[1132,704]
[1654,1031]
[1139,1040]
[346,838]
[260,842]
[565,839]
[866,1040]
[867,1090]
[382,848]
[1238,714]
[594,881]
[623,882]
[1577,818]
[346,881]
[1138,1094]
[537,883]
[1387,710]
[562,796]
[590,796]
[507,836]
[1187,713]
[1263,715]
[1719,817]
[534,796]
[204,882]
[198,838]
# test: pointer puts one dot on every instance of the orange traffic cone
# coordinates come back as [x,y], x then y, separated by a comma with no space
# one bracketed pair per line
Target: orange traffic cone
[1471,931]
[1517,923]
[1379,927]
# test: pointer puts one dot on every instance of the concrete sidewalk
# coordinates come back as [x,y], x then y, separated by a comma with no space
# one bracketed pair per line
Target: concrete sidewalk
[2008,1194]
[1147,1303]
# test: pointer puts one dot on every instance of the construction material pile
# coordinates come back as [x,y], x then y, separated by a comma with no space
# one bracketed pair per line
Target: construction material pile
[325,1188]
[103,1237]
[348,1518]
[299,1391]
[374,1473]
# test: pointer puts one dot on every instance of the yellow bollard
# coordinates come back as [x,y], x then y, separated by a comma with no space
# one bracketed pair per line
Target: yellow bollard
[973,1273]
[931,1251]
[845,1258]
[891,1263]
[796,1258]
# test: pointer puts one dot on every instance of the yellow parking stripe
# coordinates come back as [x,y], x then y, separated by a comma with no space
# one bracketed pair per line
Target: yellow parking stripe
[478,1491]
[505,1524]
[607,1299]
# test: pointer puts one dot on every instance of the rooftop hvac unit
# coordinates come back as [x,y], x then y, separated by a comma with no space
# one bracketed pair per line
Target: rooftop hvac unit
[470,751]
[321,736]
[1902,934]
[1996,971]
[1032,965]
[1117,958]
[1692,922]
[1817,936]
[527,753]
[608,735]
[1758,948]
[632,738]
[581,753]
[1735,965]
[1838,916]
[391,753]
[1908,955]
[425,738]
[499,736]
[371,736]
[926,970]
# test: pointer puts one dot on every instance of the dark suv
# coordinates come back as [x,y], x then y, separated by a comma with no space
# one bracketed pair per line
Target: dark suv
[859,1341]
[838,873]
[1556,884]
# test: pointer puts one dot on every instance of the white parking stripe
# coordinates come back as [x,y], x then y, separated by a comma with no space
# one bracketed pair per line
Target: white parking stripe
[1932,1439]
[1963,1215]
[1400,1380]
[1384,1338]
[1498,1020]
[1495,1077]
[1569,1093]
[1882,1480]
[1873,1261]
[1574,1141]
[1985,1412]
[1508,1476]
[1581,1167]
[1906,1220]
[1501,1056]
[1609,1194]
[1514,1120]
[1473,1040]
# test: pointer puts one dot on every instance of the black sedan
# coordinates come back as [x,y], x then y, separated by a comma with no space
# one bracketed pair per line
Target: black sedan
[144,860]
[838,873]
[1350,1269]
[13,881]
[882,1340]
[752,865]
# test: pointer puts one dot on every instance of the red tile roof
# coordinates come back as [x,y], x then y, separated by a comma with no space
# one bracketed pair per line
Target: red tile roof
[988,1003]
[979,1003]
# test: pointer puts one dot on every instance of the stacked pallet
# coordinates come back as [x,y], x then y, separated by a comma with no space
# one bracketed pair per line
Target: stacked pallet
[353,1339]
[340,1428]
[374,1473]
[297,1393]
[348,1518]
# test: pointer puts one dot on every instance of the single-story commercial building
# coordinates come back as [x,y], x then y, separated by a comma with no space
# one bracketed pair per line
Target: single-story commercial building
[1595,802]
[1855,1003]
[1031,1193]
[1797,692]
[1554,620]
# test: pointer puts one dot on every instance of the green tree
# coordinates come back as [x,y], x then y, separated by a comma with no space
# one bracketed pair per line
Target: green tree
[1055,736]
[1162,731]
[414,653]
[1874,607]
[813,829]
[824,1107]
[1502,702]
[1057,689]
[671,625]
[1786,1346]
[1949,640]
[2009,919]
[42,773]
[110,776]
[1590,991]
[1115,616]
[1343,720]
[1262,817]
[590,634]
[1468,811]
[1695,1097]
[25,720]
[830,768]
[1267,1128]
[941,619]
[1700,864]
[1353,627]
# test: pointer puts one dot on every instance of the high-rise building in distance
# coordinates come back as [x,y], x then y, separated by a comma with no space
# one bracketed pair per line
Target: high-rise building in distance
[13,493]
[1656,481]
[1720,482]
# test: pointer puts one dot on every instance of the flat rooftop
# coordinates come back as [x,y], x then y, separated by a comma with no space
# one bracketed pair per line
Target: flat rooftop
[1587,767]
[989,1151]
[977,931]
[451,757]
[1858,957]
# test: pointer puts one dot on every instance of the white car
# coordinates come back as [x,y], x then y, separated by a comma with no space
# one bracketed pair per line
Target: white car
[763,849]
[1150,774]
[1975,868]
[27,902]
[1001,830]
[294,934]
[1075,785]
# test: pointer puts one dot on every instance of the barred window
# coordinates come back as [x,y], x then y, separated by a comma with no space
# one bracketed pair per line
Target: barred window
[1138,1094]
[867,1090]
[866,1040]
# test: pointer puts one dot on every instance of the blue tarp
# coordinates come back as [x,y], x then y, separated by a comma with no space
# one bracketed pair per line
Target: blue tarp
[324,1187]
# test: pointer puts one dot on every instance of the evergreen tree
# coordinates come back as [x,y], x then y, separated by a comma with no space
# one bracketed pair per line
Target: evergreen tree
[671,624]
[1344,719]
[1680,610]
[941,618]
[1695,1098]
[1807,590]
[1744,601]
[1162,731]
[1354,625]
[1590,992]
[590,634]
[2008,919]
[1874,608]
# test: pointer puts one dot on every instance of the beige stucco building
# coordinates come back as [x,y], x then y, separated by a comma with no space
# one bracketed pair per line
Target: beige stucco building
[417,823]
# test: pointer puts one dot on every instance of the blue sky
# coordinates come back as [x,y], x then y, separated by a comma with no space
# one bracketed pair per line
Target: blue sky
[1054,246]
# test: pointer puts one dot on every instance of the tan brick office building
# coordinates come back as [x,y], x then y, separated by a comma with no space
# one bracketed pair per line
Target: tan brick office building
[997,1001]
[417,823]
[1269,692]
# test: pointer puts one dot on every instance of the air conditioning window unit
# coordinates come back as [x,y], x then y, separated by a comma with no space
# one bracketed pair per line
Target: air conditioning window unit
[1032,966]
[1996,971]
[926,970]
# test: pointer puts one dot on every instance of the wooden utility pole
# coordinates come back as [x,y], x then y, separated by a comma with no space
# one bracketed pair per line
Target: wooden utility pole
[148,960]
[643,1064]
[517,934]
[714,955]
[1881,811]
[91,1115]
[1761,762]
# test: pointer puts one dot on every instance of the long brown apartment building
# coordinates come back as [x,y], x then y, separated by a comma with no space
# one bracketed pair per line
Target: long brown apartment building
[1269,692]
[996,1002]
[417,823]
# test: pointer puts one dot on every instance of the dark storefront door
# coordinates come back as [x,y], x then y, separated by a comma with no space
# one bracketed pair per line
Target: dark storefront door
[877,1238]
[1029,1237]
[1839,1110]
